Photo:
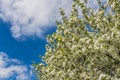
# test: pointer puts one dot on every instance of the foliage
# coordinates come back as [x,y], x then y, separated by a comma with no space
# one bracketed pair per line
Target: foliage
[74,52]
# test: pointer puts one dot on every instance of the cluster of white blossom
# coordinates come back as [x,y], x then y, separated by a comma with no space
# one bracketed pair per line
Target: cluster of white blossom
[76,53]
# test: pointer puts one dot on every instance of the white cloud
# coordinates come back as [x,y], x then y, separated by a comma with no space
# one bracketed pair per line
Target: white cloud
[13,68]
[31,18]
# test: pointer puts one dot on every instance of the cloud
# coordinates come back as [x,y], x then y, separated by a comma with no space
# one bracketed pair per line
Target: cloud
[32,18]
[13,69]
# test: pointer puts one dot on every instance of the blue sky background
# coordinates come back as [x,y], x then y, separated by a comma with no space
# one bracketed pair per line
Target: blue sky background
[26,50]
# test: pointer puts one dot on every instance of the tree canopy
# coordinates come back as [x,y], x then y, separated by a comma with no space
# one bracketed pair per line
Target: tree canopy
[86,48]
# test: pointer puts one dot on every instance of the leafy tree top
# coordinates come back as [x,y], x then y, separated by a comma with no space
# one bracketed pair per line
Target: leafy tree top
[85,48]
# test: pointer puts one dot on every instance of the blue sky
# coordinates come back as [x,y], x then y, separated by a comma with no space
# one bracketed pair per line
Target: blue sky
[27,50]
[24,25]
